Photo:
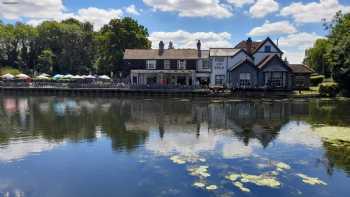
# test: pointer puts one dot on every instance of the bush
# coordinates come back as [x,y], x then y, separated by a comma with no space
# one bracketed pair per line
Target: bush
[316,80]
[12,71]
[329,89]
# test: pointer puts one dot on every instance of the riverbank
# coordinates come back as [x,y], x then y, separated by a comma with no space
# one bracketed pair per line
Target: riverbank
[159,92]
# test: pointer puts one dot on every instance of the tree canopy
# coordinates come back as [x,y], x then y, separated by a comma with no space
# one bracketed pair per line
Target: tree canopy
[333,53]
[69,46]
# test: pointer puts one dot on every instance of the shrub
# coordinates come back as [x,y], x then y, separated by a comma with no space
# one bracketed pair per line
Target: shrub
[329,89]
[316,80]
[12,71]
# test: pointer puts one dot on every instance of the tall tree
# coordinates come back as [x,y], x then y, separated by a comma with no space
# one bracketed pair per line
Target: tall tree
[117,36]
[316,57]
[339,48]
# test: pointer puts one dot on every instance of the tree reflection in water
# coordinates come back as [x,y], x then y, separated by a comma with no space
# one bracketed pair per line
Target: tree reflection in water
[128,122]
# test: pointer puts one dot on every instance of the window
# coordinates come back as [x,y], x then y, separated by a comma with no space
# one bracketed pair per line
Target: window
[244,80]
[276,79]
[267,49]
[219,59]
[219,79]
[166,64]
[205,64]
[151,64]
[181,64]
[299,81]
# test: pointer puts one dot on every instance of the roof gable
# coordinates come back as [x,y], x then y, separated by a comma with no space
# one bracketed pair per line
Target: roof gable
[264,62]
[244,62]
[266,41]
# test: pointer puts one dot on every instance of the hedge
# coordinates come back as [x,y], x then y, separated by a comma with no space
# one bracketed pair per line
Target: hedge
[12,71]
[316,80]
[329,89]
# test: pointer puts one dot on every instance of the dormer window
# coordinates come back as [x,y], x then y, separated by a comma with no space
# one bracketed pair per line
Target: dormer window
[151,64]
[267,49]
[181,64]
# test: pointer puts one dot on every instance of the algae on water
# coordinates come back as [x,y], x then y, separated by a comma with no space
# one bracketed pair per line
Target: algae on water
[241,186]
[311,180]
[261,180]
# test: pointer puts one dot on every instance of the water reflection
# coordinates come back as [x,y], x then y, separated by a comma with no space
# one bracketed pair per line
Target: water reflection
[260,131]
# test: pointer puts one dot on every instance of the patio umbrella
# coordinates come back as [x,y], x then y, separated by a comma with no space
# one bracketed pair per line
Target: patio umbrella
[58,76]
[105,77]
[22,76]
[42,77]
[90,77]
[77,77]
[69,76]
[8,76]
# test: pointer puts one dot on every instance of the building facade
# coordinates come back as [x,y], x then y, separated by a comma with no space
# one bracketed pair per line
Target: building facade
[248,65]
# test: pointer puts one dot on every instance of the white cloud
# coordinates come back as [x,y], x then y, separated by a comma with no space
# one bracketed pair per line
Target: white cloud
[132,10]
[299,40]
[314,11]
[294,45]
[262,8]
[268,28]
[192,8]
[31,9]
[19,149]
[240,3]
[98,17]
[184,39]
[299,133]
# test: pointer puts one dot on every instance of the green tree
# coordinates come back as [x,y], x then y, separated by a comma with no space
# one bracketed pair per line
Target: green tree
[316,57]
[114,38]
[45,61]
[72,43]
[339,50]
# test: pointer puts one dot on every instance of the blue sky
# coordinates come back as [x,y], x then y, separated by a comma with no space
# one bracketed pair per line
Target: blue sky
[218,23]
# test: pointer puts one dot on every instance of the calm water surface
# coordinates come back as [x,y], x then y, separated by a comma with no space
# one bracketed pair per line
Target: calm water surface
[74,146]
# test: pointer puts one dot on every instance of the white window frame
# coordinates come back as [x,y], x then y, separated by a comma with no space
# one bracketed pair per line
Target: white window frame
[167,64]
[181,64]
[151,64]
[219,79]
[245,79]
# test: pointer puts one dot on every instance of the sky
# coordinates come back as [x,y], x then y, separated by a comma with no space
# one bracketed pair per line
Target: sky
[217,23]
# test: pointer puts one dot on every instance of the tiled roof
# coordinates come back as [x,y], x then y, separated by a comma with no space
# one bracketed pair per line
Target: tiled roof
[243,45]
[141,54]
[300,68]
[223,52]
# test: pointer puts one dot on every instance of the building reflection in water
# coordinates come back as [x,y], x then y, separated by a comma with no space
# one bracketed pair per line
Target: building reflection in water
[164,126]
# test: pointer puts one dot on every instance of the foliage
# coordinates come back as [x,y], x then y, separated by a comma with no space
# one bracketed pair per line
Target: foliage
[329,89]
[316,57]
[114,38]
[45,61]
[316,80]
[69,46]
[338,54]
[12,71]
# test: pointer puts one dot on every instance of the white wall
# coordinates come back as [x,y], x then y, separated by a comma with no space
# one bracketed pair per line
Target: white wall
[229,62]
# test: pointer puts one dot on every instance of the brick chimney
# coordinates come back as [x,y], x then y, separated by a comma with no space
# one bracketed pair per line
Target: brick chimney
[249,45]
[199,45]
[161,47]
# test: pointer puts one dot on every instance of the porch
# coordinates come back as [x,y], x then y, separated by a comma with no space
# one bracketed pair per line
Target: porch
[276,79]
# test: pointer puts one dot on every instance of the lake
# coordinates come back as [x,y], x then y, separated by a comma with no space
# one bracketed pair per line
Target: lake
[88,146]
